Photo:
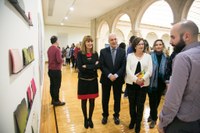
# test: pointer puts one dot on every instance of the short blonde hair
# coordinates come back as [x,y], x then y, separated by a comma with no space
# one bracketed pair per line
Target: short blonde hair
[83,47]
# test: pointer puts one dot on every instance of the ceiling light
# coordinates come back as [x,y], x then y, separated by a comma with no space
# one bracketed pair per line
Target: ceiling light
[61,23]
[71,8]
[66,18]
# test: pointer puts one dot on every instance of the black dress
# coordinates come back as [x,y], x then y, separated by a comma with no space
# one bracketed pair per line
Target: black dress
[87,77]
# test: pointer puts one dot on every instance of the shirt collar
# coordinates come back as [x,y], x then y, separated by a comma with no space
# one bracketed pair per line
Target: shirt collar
[192,45]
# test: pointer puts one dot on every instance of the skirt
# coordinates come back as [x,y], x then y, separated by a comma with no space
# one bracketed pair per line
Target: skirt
[87,89]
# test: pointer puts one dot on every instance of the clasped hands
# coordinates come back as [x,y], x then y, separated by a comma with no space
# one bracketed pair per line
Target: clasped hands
[140,81]
[112,77]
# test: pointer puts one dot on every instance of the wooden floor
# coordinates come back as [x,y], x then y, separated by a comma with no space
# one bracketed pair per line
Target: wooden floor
[70,117]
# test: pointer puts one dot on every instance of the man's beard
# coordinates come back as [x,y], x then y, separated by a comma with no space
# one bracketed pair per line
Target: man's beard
[179,46]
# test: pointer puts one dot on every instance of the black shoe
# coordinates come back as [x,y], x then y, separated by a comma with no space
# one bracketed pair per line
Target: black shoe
[137,128]
[90,123]
[149,119]
[131,125]
[116,120]
[104,120]
[152,124]
[58,103]
[86,123]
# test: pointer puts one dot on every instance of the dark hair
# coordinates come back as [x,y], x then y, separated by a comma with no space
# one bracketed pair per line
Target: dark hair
[135,43]
[53,39]
[131,39]
[122,45]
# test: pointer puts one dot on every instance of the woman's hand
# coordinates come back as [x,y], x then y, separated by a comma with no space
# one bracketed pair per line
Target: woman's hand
[97,62]
[83,66]
[140,81]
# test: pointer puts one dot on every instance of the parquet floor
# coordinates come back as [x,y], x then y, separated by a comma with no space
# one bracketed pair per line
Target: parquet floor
[70,117]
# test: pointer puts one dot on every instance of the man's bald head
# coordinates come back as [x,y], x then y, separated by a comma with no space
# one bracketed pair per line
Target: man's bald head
[189,26]
[186,30]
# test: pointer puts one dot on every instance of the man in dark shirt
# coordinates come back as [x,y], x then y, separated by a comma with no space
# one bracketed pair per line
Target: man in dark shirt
[54,65]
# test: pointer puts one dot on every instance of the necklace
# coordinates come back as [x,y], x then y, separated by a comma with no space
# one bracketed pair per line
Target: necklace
[139,57]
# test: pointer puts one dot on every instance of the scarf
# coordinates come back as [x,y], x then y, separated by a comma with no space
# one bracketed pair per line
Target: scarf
[158,71]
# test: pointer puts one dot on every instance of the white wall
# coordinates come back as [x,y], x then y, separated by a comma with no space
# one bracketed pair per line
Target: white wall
[16,33]
[73,35]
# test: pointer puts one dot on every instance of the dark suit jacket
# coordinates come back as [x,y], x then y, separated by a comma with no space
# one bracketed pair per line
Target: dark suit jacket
[107,66]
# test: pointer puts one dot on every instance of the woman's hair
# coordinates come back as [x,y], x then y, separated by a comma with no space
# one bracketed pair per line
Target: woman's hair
[83,46]
[135,42]
[157,41]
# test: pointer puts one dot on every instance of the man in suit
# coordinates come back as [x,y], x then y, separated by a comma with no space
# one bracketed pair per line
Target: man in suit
[113,62]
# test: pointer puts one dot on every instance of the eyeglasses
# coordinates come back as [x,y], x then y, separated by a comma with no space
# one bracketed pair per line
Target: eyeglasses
[140,44]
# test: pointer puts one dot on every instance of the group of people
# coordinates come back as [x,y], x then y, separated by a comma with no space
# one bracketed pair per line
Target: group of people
[143,74]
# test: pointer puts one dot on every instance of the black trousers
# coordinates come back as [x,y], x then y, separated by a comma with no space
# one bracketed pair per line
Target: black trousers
[117,89]
[137,97]
[55,83]
[178,126]
[154,100]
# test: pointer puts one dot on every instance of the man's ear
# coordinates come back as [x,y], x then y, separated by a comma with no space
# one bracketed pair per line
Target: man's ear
[187,36]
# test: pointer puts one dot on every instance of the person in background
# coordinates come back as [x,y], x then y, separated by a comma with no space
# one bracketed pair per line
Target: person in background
[138,72]
[76,50]
[122,45]
[129,50]
[64,55]
[147,48]
[68,55]
[54,65]
[157,80]
[180,112]
[72,54]
[177,49]
[87,63]
[113,62]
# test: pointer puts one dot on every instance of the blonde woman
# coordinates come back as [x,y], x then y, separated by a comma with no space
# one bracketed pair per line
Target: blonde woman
[87,63]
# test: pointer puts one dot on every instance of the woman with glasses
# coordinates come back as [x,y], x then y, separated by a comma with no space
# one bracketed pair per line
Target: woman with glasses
[138,72]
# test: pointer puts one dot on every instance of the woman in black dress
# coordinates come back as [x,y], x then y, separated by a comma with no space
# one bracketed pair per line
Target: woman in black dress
[87,63]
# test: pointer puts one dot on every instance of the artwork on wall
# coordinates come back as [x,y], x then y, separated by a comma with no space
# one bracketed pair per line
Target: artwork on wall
[16,60]
[28,55]
[30,51]
[33,86]
[19,6]
[29,97]
[21,116]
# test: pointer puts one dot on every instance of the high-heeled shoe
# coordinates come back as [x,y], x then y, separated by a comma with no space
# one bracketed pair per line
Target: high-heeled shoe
[86,123]
[90,123]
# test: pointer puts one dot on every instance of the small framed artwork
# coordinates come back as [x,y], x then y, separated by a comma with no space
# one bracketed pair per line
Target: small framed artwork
[19,6]
[16,60]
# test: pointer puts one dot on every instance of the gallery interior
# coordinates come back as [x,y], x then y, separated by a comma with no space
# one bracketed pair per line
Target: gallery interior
[26,27]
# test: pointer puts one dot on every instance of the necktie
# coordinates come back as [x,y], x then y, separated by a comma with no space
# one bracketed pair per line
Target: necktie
[113,55]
